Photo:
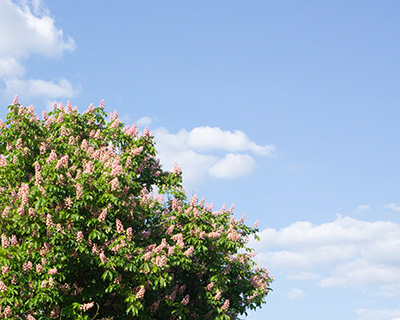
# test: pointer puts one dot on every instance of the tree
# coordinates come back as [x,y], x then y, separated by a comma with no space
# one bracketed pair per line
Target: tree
[93,228]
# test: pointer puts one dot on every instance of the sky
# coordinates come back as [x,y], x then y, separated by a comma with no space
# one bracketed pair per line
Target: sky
[288,109]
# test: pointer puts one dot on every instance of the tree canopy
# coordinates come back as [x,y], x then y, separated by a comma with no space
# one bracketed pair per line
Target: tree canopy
[92,227]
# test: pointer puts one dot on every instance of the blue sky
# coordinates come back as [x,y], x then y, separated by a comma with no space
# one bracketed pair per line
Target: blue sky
[289,109]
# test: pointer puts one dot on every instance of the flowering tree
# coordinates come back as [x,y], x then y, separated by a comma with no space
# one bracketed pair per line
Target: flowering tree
[86,232]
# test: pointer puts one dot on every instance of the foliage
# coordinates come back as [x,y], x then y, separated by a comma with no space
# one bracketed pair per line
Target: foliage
[86,232]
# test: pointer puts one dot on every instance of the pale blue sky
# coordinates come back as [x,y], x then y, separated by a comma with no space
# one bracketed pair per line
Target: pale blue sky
[289,109]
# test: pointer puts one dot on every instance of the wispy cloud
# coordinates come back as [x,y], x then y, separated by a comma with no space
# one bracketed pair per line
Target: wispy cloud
[144,121]
[27,29]
[363,207]
[209,151]
[345,252]
[376,314]
[296,294]
[393,206]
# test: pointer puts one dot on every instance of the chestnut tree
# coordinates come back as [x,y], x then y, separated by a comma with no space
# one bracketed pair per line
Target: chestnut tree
[92,227]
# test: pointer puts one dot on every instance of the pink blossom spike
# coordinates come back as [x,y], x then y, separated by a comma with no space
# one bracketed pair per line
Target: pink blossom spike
[176,170]
[15,101]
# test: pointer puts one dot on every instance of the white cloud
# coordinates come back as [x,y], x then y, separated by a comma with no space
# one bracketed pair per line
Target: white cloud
[10,67]
[296,294]
[197,161]
[205,139]
[304,276]
[40,88]
[144,121]
[373,314]
[363,207]
[233,166]
[22,33]
[27,29]
[393,206]
[345,252]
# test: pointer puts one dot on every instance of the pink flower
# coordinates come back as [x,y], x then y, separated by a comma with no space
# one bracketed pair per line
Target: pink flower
[15,101]
[84,145]
[60,116]
[7,312]
[18,144]
[97,134]
[4,241]
[90,109]
[215,234]
[120,227]
[185,300]
[87,306]
[182,289]
[3,287]
[52,156]
[68,202]
[52,272]
[43,284]
[141,292]
[136,151]
[218,296]
[193,200]
[133,131]
[114,184]
[26,266]
[3,161]
[63,162]
[79,236]
[103,215]
[69,106]
[225,306]
[21,210]
[5,269]
[5,212]
[171,250]
[14,240]
[49,221]
[146,132]
[210,286]
[115,124]
[129,234]
[113,115]
[189,252]
[103,257]
[147,255]
[39,268]
[78,189]
[179,239]
[176,170]
[116,168]
[161,261]
[170,229]
[88,167]
[256,224]
[21,110]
